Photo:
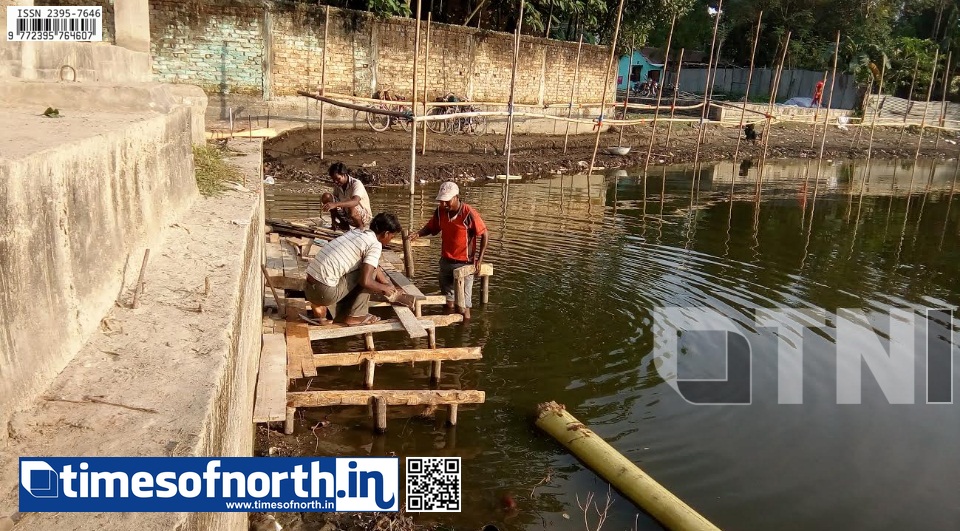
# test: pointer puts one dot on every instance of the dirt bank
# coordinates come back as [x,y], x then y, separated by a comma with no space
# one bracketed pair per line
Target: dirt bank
[384,158]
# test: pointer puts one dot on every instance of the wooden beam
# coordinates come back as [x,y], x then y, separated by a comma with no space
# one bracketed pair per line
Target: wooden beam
[271,404]
[467,270]
[428,300]
[346,359]
[333,331]
[409,321]
[299,352]
[287,282]
[403,283]
[392,398]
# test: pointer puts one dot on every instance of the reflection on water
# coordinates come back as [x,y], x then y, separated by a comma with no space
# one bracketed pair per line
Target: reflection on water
[581,264]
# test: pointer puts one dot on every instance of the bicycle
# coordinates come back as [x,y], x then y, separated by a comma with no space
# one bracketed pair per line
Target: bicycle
[383,122]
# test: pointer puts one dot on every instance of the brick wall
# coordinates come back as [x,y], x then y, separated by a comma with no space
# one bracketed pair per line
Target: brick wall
[239,46]
[107,5]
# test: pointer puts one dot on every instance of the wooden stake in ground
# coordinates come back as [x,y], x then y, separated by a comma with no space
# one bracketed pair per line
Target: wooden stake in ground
[705,111]
[746,97]
[143,273]
[943,102]
[656,112]
[574,90]
[626,98]
[926,107]
[426,80]
[826,115]
[906,112]
[323,78]
[508,137]
[816,114]
[606,85]
[413,107]
[673,104]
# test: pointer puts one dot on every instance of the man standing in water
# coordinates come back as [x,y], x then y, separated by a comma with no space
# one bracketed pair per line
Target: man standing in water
[459,226]
[349,205]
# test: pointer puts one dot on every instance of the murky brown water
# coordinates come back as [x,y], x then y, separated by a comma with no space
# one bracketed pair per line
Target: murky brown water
[581,264]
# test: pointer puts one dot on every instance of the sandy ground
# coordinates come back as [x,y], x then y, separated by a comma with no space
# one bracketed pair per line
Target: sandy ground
[384,158]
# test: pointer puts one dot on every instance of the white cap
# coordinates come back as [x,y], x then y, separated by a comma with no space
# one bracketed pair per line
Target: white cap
[448,191]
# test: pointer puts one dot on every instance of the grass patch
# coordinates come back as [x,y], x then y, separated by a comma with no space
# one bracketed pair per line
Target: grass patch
[212,170]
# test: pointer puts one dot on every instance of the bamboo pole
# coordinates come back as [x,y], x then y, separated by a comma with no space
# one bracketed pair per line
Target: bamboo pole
[623,474]
[323,77]
[413,106]
[906,113]
[705,111]
[673,104]
[923,120]
[943,102]
[826,115]
[606,86]
[816,114]
[746,97]
[143,273]
[876,112]
[656,112]
[426,80]
[508,137]
[770,109]
[626,98]
[573,92]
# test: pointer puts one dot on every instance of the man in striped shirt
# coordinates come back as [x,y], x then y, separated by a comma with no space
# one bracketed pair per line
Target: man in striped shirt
[346,271]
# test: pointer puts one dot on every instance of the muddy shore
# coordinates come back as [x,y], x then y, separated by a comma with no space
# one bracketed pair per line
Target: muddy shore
[384,158]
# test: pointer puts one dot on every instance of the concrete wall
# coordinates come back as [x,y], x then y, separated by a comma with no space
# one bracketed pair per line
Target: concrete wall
[77,215]
[793,83]
[73,61]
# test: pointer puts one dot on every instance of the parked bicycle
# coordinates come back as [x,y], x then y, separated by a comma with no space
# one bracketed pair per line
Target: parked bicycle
[383,122]
[470,125]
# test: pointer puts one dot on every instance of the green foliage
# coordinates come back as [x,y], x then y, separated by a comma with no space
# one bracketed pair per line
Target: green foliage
[388,8]
[212,171]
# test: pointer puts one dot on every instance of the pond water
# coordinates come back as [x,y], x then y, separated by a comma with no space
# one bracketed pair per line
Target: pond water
[582,264]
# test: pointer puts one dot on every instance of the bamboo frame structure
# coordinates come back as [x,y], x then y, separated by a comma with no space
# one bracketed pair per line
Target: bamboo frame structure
[508,137]
[574,92]
[906,113]
[673,104]
[770,110]
[626,97]
[606,86]
[826,116]
[323,77]
[923,120]
[876,112]
[746,96]
[656,113]
[943,102]
[426,81]
[705,111]
[413,107]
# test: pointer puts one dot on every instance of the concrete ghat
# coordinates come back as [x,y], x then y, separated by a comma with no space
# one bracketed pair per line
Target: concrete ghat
[187,353]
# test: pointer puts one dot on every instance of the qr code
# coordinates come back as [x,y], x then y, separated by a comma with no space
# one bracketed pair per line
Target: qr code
[433,484]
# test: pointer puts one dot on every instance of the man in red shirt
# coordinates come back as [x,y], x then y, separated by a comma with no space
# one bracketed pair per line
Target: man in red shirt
[459,226]
[817,94]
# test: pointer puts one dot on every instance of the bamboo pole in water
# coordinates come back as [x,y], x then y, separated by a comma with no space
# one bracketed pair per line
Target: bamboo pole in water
[508,137]
[746,97]
[876,113]
[943,102]
[622,473]
[573,93]
[705,111]
[656,112]
[426,80]
[323,77]
[923,120]
[673,104]
[770,108]
[606,86]
[906,112]
[626,98]
[413,107]
[826,115]
[816,114]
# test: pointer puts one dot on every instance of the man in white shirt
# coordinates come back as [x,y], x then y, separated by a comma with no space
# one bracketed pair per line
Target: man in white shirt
[349,206]
[346,271]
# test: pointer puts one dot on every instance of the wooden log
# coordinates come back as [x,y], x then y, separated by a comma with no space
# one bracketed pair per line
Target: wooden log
[612,466]
[380,407]
[432,338]
[270,403]
[346,359]
[403,397]
[452,417]
[289,420]
[435,367]
[485,284]
[370,367]
[467,270]
[333,331]
[368,341]
[408,252]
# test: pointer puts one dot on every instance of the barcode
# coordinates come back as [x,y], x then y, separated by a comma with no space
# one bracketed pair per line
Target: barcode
[58,25]
[433,484]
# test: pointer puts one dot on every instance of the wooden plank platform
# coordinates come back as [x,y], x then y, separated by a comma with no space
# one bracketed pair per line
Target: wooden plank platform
[391,398]
[409,321]
[333,331]
[270,404]
[346,359]
[299,351]
[429,300]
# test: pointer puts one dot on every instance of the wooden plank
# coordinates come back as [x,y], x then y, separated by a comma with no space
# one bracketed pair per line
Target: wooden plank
[291,262]
[409,321]
[392,398]
[333,331]
[404,283]
[298,348]
[271,403]
[467,270]
[347,359]
[428,300]
[274,258]
[293,283]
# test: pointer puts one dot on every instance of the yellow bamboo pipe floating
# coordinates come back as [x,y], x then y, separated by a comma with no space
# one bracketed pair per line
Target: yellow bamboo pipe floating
[612,466]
